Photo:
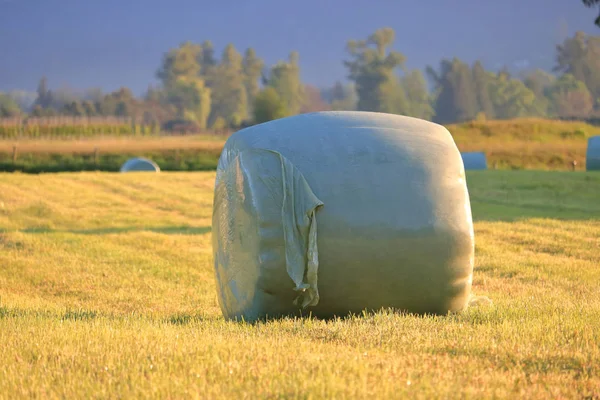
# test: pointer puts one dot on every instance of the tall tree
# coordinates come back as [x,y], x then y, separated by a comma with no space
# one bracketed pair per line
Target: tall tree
[455,97]
[481,79]
[284,77]
[253,67]
[207,59]
[229,99]
[192,100]
[570,98]
[8,107]
[74,109]
[580,57]
[372,67]
[512,99]
[415,87]
[268,105]
[186,88]
[341,97]
[183,61]
[538,81]
[44,96]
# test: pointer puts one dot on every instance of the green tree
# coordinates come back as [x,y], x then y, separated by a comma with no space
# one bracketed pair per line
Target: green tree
[121,102]
[593,3]
[74,109]
[8,107]
[512,99]
[207,60]
[569,98]
[268,105]
[284,77]
[229,98]
[192,100]
[415,88]
[481,79]
[538,81]
[253,67]
[341,97]
[183,61]
[185,86]
[44,96]
[372,67]
[455,92]
[580,57]
[89,108]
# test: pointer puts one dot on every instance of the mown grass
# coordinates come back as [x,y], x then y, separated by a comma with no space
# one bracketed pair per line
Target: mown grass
[514,144]
[107,291]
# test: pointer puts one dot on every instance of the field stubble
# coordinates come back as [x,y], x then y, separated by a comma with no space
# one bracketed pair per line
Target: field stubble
[107,290]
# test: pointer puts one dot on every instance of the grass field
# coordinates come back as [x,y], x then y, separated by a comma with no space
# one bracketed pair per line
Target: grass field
[107,291]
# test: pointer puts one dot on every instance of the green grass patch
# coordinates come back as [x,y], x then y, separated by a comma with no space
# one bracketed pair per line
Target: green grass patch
[168,160]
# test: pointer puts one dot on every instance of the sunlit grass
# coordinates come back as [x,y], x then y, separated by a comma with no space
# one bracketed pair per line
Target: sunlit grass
[107,291]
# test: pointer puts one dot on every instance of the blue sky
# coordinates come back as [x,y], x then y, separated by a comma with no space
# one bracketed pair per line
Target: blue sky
[112,43]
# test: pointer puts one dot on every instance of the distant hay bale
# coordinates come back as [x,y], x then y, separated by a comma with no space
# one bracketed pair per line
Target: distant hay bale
[140,165]
[593,154]
[474,160]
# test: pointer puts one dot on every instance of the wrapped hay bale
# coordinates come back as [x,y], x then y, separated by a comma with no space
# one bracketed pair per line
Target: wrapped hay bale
[474,160]
[139,165]
[592,155]
[333,213]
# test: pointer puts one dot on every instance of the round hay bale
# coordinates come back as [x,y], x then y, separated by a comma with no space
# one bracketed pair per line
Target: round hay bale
[592,155]
[393,211]
[140,165]
[474,160]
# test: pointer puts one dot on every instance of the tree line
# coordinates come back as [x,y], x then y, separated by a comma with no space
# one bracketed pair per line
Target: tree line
[198,90]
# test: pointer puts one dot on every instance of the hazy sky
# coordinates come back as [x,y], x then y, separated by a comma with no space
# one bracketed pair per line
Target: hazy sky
[112,43]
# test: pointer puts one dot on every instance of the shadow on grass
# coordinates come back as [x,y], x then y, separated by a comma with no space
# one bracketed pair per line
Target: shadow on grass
[167,230]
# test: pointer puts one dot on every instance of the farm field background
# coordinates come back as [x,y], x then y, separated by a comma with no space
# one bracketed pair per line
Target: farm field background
[509,144]
[106,290]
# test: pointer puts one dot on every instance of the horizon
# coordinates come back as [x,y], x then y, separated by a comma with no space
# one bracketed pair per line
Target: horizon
[79,50]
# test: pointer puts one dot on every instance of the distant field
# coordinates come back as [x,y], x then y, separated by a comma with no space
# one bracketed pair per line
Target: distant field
[527,143]
[514,144]
[107,290]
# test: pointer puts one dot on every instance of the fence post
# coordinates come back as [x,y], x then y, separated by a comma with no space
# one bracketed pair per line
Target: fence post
[14,155]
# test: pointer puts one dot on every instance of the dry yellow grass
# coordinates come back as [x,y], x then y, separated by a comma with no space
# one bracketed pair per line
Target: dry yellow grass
[107,291]
[114,145]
